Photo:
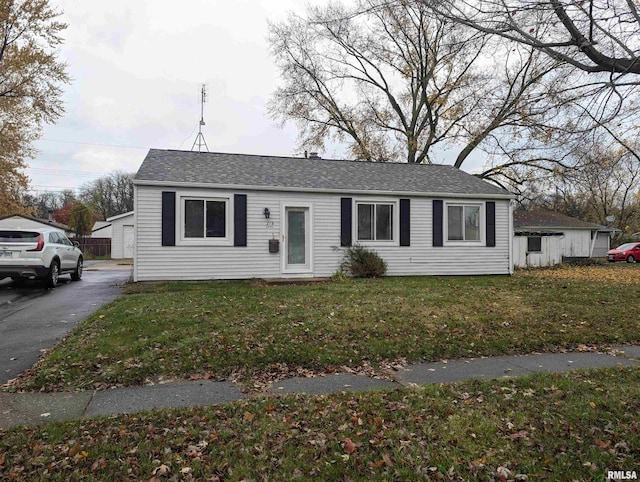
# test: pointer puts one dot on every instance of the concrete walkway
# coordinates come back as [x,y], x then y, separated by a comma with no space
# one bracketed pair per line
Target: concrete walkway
[37,408]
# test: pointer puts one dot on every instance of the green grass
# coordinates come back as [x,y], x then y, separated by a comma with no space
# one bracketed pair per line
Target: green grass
[248,330]
[571,426]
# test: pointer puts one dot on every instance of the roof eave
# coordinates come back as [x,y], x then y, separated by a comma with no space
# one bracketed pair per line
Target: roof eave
[538,226]
[119,216]
[144,182]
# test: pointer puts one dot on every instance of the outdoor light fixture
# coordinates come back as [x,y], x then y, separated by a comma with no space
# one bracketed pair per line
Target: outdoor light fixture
[266,213]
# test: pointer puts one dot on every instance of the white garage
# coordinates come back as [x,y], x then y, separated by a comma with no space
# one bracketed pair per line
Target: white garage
[546,238]
[122,235]
[20,221]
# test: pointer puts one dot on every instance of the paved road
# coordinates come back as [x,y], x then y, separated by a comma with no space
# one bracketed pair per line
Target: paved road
[32,318]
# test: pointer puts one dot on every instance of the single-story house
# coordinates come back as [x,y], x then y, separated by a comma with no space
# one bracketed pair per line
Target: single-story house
[20,221]
[101,229]
[221,216]
[544,238]
[122,235]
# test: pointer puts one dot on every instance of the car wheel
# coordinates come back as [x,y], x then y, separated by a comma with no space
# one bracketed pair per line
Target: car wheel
[631,259]
[77,274]
[54,274]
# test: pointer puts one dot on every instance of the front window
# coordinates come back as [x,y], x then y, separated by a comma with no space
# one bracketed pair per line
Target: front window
[463,223]
[205,218]
[375,222]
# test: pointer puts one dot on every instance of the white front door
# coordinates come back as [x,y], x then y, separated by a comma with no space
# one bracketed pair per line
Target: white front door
[297,240]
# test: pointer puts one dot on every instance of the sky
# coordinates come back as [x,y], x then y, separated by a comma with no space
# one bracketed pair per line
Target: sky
[137,69]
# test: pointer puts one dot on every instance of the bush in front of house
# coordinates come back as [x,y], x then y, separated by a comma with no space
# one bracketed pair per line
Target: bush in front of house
[361,262]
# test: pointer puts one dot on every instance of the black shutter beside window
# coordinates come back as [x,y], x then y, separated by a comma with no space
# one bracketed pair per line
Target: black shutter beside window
[168,218]
[437,222]
[491,223]
[345,221]
[239,219]
[405,222]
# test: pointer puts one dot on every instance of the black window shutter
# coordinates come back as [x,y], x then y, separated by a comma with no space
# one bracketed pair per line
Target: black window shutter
[405,223]
[168,218]
[437,222]
[345,221]
[491,223]
[239,219]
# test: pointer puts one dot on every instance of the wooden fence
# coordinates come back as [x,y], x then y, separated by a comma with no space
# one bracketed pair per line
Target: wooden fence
[99,247]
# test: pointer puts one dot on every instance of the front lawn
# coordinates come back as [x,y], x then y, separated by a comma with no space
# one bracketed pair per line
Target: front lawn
[248,330]
[572,426]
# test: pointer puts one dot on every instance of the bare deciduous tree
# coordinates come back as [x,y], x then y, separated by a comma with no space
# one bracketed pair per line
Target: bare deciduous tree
[591,35]
[386,77]
[109,195]
[605,182]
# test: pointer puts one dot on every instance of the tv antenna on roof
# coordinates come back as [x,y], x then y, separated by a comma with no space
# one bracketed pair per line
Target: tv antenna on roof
[200,142]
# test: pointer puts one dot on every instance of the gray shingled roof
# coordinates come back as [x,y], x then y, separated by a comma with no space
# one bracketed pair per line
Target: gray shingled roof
[185,167]
[550,219]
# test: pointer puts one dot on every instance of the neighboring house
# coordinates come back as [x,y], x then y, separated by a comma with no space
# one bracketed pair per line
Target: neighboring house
[20,221]
[101,229]
[222,216]
[544,238]
[122,235]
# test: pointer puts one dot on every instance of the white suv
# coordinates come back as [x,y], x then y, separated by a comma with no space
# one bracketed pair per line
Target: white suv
[42,254]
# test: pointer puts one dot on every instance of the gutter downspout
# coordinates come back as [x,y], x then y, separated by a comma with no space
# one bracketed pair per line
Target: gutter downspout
[135,233]
[593,243]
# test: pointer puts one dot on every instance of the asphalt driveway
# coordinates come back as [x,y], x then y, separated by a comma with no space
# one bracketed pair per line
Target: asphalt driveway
[33,319]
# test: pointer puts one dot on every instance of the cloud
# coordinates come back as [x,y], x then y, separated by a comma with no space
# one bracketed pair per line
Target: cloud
[138,67]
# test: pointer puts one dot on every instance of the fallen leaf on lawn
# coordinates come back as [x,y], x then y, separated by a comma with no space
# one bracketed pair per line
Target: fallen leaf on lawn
[248,416]
[75,450]
[98,464]
[603,445]
[387,460]
[592,405]
[161,470]
[2,459]
[503,472]
[348,446]
[519,434]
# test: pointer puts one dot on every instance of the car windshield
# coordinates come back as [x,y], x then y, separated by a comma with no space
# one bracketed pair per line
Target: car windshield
[625,247]
[18,236]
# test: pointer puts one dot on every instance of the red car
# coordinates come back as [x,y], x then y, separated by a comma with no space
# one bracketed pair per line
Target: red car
[629,252]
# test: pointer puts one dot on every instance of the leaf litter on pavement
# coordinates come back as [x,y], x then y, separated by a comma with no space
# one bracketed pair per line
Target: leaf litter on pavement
[570,426]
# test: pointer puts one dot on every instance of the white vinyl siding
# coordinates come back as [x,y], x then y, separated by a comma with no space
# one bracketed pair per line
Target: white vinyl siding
[157,262]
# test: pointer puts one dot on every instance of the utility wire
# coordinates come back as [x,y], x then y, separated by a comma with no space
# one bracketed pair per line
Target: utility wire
[93,144]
